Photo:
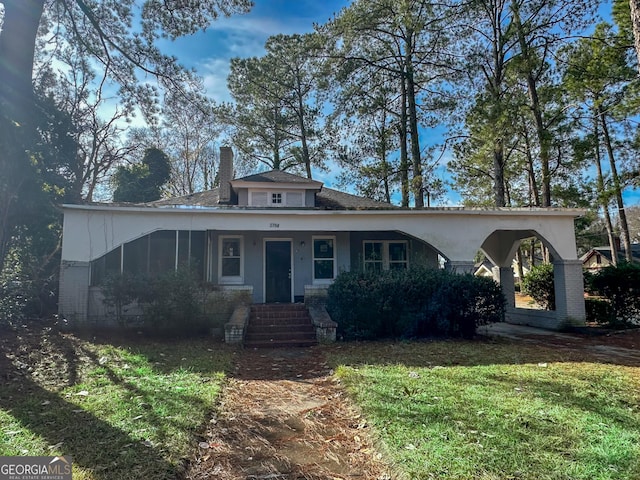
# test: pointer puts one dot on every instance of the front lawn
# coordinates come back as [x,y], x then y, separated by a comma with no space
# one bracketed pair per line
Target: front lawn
[125,410]
[496,411]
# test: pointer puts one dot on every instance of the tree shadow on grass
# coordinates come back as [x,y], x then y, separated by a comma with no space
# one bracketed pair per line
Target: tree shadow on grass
[38,404]
[481,351]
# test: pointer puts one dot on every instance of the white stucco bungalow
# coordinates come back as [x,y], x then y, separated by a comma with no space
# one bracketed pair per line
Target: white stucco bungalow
[283,237]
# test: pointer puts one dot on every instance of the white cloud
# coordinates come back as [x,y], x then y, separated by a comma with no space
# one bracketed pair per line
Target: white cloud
[215,71]
[263,27]
[241,37]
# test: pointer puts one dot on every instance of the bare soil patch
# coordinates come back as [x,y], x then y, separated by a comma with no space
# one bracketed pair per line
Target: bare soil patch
[283,417]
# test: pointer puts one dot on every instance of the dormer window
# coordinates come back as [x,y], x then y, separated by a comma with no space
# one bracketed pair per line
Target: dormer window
[280,198]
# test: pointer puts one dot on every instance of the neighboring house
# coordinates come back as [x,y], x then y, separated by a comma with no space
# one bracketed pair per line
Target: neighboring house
[485,269]
[285,238]
[600,257]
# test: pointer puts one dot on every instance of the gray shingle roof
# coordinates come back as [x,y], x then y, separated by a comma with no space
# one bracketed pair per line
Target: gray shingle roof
[276,176]
[605,251]
[208,198]
[326,198]
[335,200]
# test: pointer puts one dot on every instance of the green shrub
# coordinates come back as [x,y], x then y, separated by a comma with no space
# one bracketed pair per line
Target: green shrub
[13,300]
[120,292]
[538,284]
[599,310]
[171,303]
[621,287]
[418,302]
[174,303]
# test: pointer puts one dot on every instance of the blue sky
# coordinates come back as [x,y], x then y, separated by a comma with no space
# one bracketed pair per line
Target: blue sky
[244,36]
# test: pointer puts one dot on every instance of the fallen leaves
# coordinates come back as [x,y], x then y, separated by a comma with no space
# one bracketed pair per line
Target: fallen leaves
[285,416]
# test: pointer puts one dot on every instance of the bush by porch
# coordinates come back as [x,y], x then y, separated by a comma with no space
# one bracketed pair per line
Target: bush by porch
[418,302]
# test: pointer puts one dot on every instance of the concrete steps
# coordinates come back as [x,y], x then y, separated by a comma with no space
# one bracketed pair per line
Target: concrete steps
[279,325]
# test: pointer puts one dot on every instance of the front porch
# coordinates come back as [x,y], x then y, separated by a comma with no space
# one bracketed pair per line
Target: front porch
[283,255]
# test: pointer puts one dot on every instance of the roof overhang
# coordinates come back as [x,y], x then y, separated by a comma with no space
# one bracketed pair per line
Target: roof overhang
[421,212]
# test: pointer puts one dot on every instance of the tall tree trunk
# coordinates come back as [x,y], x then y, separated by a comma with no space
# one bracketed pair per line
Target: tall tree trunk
[532,253]
[495,82]
[498,173]
[383,157]
[604,200]
[404,157]
[276,142]
[536,109]
[17,46]
[519,260]
[635,22]
[303,131]
[534,194]
[418,184]
[617,189]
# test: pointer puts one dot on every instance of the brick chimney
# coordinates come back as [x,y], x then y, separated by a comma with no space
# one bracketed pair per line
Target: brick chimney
[225,174]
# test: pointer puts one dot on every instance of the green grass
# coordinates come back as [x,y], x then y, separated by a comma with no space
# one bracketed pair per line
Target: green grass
[463,410]
[125,412]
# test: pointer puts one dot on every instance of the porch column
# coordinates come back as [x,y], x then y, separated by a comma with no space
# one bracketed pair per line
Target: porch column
[569,290]
[504,276]
[461,266]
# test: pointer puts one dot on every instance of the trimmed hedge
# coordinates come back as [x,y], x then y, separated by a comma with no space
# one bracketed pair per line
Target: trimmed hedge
[620,286]
[419,302]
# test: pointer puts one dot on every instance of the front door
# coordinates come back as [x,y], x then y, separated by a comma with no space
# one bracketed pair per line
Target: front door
[277,271]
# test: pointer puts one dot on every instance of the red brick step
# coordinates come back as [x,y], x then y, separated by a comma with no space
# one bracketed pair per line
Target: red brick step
[279,325]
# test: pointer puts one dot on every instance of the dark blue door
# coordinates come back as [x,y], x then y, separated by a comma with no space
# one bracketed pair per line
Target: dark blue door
[278,271]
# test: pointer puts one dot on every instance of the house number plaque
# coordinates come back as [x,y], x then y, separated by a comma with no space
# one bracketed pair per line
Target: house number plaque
[274,225]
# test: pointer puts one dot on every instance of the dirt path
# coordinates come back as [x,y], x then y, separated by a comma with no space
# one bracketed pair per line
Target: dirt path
[283,418]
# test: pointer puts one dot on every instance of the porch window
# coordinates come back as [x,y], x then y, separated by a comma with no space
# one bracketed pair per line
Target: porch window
[385,255]
[153,254]
[398,255]
[373,256]
[162,252]
[136,256]
[106,266]
[324,260]
[231,259]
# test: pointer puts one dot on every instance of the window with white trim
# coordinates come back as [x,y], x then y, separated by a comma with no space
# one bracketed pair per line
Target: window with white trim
[324,259]
[381,255]
[398,255]
[231,259]
[373,256]
[276,198]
